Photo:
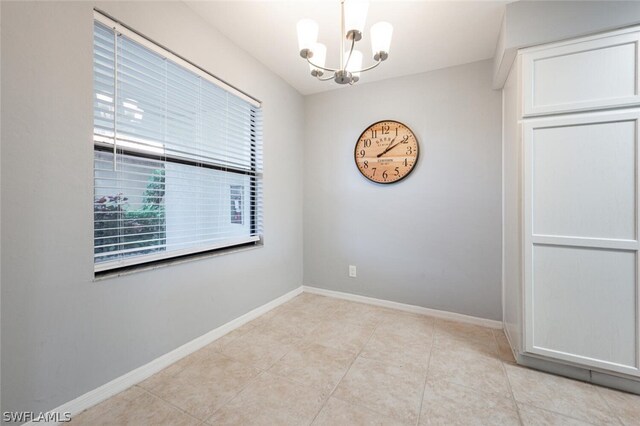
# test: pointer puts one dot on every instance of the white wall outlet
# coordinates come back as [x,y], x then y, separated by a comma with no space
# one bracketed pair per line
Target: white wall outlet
[352,271]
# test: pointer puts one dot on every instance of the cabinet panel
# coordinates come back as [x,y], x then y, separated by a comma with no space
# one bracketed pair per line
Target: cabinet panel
[584,179]
[583,306]
[579,75]
[580,244]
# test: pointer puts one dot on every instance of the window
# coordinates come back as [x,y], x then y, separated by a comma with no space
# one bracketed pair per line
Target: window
[175,152]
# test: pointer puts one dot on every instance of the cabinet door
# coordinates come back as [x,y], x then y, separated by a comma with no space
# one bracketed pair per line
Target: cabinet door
[590,73]
[581,239]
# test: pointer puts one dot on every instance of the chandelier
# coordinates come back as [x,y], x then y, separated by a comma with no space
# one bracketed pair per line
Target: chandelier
[351,27]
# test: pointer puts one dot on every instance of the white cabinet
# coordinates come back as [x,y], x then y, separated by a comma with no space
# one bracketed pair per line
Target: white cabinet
[596,72]
[571,196]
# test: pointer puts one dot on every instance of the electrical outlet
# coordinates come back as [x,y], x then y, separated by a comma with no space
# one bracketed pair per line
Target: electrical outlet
[352,271]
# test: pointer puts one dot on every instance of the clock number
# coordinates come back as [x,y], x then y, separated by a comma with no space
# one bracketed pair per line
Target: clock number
[409,150]
[374,134]
[405,139]
[397,173]
[366,164]
[385,129]
[406,162]
[385,175]
[362,152]
[367,143]
[396,132]
[374,171]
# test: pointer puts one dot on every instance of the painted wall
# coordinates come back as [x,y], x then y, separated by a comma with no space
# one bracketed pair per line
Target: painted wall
[532,22]
[433,239]
[62,333]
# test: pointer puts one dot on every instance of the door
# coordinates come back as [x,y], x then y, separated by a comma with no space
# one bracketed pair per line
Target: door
[581,239]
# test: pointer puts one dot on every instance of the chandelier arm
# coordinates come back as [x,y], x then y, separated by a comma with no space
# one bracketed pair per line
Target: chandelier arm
[346,64]
[370,68]
[327,78]
[321,68]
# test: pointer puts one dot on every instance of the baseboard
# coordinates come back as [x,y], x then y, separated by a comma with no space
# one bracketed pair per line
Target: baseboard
[131,378]
[405,307]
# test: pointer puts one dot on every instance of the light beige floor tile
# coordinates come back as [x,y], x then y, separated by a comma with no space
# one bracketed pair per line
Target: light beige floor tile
[337,412]
[558,394]
[310,301]
[532,416]
[487,347]
[504,349]
[229,337]
[625,405]
[314,365]
[419,326]
[388,389]
[267,316]
[271,400]
[146,410]
[296,322]
[358,314]
[103,411]
[449,404]
[463,330]
[340,335]
[398,347]
[464,367]
[204,386]
[261,347]
[471,337]
[160,377]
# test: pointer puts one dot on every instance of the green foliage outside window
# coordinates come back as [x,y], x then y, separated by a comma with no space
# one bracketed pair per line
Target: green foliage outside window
[117,226]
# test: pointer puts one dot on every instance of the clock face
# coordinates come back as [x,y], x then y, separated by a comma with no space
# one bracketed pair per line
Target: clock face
[386,152]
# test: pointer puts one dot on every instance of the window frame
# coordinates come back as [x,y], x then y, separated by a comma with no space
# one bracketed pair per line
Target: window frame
[255,174]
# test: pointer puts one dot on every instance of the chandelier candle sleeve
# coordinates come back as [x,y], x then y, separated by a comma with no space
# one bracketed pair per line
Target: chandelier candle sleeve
[319,57]
[381,39]
[353,15]
[307,34]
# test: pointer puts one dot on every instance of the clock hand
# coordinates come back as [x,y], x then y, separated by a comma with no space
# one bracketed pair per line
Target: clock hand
[390,147]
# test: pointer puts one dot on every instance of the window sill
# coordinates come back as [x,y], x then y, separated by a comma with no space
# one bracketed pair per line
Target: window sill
[106,275]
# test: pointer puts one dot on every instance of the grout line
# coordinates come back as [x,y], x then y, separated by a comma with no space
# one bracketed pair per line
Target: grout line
[564,378]
[608,405]
[506,376]
[559,414]
[426,376]
[172,405]
[345,374]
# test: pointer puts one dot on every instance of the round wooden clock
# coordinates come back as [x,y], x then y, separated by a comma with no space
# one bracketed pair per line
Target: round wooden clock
[386,152]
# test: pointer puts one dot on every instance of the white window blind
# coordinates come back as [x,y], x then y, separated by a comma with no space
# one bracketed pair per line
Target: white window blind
[178,155]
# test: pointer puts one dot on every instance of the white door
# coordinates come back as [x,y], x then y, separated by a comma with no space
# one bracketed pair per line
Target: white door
[581,239]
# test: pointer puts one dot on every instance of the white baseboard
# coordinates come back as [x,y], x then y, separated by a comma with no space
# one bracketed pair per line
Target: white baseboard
[404,307]
[131,378]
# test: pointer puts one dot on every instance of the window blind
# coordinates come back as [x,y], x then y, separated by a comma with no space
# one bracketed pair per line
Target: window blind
[177,155]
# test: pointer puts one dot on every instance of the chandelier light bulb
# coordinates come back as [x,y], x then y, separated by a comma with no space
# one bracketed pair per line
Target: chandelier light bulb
[381,39]
[355,16]
[307,33]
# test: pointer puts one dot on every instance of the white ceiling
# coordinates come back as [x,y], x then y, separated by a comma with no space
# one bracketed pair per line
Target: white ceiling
[427,35]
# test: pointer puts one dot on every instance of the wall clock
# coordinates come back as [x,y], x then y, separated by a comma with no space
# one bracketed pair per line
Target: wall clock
[386,152]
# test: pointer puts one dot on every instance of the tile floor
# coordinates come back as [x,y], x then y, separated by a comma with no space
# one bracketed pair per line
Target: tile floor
[323,361]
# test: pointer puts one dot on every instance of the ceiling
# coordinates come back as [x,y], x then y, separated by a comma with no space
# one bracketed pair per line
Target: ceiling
[427,35]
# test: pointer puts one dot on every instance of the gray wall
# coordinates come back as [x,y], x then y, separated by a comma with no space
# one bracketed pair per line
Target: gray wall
[433,239]
[62,333]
